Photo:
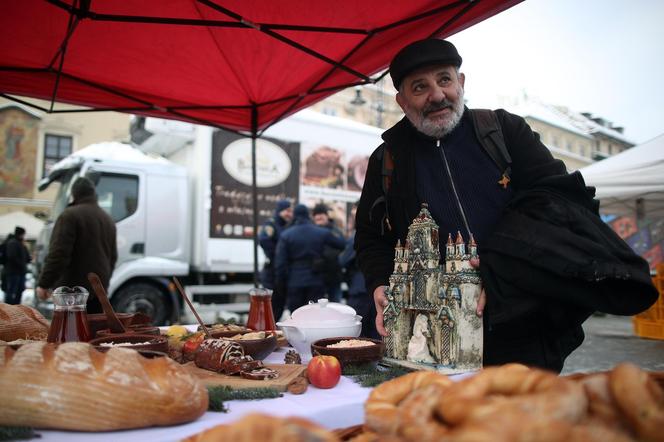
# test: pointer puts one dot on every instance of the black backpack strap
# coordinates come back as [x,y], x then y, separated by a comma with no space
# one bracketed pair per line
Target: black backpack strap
[387,169]
[490,135]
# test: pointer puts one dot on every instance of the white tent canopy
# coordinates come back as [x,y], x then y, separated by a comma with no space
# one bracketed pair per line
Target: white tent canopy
[31,224]
[632,182]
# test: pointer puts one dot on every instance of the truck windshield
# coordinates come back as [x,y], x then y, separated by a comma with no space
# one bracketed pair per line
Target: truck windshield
[62,198]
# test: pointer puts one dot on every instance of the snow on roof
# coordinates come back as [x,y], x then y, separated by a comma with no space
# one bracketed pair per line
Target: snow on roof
[546,114]
[116,151]
[564,118]
[592,127]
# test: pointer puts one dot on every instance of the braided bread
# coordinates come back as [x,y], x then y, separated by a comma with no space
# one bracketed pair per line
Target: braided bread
[264,428]
[513,403]
[381,407]
[640,399]
[513,387]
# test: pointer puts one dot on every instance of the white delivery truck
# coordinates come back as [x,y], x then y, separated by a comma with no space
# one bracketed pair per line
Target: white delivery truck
[181,197]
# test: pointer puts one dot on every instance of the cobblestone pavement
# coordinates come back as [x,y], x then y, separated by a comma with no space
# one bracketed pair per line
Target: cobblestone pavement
[611,340]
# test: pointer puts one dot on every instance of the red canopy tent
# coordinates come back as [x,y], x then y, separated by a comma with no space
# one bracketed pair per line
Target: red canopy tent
[237,64]
[240,65]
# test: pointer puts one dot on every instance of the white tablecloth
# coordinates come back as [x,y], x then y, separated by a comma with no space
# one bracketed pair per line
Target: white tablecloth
[338,407]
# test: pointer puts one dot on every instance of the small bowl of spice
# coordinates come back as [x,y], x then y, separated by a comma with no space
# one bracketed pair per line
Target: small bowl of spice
[350,350]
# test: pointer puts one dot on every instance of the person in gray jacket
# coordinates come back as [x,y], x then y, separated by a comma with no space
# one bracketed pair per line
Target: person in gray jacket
[83,241]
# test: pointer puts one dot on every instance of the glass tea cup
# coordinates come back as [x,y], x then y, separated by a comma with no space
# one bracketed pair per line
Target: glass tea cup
[70,320]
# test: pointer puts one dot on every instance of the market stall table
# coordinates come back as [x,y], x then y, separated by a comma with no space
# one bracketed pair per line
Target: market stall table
[339,407]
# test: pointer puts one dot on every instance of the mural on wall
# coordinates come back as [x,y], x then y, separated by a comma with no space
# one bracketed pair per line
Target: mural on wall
[18,151]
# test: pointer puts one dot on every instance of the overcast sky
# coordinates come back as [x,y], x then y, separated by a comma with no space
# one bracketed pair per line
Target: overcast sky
[599,56]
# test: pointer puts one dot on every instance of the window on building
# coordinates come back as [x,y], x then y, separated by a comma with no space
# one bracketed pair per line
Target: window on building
[555,142]
[56,147]
[570,146]
[117,194]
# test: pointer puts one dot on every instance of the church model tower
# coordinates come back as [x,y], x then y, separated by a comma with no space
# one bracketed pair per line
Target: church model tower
[431,312]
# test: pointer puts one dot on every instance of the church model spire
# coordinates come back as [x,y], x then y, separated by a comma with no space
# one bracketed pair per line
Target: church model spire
[430,316]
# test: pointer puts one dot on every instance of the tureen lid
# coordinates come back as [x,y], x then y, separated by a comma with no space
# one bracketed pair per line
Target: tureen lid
[324,312]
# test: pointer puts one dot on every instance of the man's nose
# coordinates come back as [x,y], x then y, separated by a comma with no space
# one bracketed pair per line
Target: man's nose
[437,94]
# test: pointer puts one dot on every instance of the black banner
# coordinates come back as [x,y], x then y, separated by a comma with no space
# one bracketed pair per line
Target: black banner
[231,211]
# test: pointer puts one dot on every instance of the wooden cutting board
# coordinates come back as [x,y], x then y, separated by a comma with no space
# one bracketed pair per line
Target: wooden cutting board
[287,372]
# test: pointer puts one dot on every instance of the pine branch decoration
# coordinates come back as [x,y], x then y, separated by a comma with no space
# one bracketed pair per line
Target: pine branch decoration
[219,395]
[16,433]
[370,375]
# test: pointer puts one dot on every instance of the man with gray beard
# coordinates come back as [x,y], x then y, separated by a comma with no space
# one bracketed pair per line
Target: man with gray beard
[435,156]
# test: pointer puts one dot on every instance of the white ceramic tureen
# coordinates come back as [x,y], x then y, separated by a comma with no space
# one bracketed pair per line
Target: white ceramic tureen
[319,320]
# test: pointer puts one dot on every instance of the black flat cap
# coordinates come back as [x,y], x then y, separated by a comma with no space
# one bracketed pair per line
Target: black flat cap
[422,53]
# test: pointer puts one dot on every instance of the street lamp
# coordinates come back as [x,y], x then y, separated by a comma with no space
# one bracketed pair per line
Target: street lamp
[358,100]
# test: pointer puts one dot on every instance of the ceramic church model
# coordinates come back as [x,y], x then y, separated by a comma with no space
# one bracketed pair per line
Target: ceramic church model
[431,312]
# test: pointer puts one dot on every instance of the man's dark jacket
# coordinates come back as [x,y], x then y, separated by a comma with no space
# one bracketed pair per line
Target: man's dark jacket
[531,160]
[536,301]
[83,241]
[268,237]
[299,246]
[18,257]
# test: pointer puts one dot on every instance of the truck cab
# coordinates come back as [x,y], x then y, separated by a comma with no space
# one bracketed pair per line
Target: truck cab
[147,198]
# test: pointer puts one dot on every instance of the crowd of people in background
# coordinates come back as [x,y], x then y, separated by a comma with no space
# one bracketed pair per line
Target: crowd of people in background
[308,258]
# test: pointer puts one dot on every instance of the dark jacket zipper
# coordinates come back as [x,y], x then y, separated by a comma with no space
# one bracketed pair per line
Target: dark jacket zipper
[441,151]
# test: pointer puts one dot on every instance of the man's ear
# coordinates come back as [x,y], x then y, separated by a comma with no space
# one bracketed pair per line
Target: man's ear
[462,79]
[400,101]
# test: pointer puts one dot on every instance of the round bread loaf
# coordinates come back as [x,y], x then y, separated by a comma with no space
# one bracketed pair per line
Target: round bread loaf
[73,386]
[21,322]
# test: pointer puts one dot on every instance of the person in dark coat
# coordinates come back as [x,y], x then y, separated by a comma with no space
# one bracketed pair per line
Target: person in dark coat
[83,241]
[268,237]
[439,159]
[17,258]
[330,270]
[297,249]
[357,290]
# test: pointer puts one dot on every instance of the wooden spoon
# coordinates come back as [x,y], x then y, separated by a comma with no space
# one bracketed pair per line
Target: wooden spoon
[113,322]
[191,306]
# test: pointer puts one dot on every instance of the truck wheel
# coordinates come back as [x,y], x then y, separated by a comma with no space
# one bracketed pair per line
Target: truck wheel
[143,297]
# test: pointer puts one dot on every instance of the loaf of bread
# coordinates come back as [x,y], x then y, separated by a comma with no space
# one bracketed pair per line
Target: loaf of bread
[75,387]
[264,428]
[21,322]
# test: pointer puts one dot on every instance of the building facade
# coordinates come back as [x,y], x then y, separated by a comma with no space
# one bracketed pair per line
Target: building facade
[578,139]
[32,141]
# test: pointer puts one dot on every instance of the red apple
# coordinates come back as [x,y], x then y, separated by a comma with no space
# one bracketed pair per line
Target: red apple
[324,371]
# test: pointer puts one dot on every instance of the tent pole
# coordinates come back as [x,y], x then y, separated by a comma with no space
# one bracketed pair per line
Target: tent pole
[254,187]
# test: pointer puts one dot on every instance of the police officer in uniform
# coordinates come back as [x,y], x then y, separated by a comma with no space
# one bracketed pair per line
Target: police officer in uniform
[298,248]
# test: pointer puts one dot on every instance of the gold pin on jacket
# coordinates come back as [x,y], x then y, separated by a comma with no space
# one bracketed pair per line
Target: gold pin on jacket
[504,181]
